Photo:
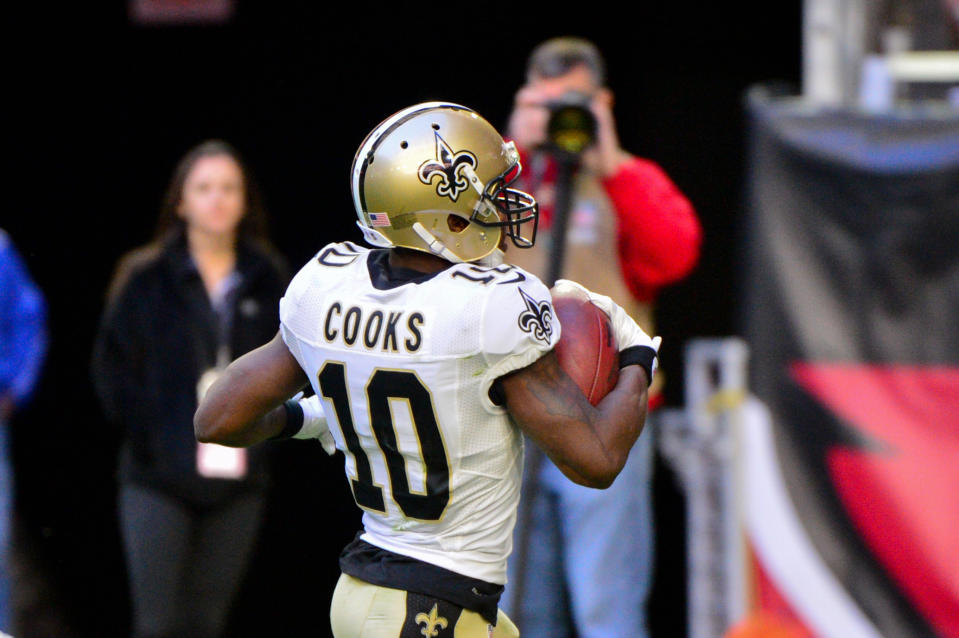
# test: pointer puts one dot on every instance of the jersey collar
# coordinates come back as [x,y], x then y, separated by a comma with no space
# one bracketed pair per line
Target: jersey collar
[385,277]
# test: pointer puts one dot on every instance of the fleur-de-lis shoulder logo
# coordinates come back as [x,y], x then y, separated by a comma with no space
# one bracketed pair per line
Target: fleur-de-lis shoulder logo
[537,319]
[430,622]
[448,166]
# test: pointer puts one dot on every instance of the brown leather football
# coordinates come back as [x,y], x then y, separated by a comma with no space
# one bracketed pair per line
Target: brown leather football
[587,349]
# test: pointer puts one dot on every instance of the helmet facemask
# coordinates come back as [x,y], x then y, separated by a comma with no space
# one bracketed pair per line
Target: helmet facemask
[500,206]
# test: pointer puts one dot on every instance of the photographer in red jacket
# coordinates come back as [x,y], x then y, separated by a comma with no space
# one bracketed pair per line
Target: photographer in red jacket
[627,231]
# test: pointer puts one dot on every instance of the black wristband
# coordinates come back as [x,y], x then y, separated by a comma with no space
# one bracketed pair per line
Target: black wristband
[294,420]
[638,355]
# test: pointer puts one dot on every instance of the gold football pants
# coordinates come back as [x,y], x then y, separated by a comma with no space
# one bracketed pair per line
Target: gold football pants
[362,610]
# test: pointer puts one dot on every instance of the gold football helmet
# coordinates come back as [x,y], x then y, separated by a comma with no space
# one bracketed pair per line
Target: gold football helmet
[429,164]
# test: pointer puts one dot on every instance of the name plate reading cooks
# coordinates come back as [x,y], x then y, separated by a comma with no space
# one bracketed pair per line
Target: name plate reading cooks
[378,328]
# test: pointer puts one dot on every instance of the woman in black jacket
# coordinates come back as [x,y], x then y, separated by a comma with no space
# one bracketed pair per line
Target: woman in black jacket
[203,293]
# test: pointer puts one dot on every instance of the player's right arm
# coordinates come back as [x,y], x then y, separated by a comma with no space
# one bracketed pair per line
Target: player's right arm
[519,331]
[588,444]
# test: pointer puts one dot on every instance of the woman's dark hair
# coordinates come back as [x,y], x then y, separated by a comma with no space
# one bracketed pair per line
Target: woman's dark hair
[252,225]
[170,225]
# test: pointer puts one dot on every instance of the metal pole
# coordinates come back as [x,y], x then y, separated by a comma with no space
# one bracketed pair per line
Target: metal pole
[834,45]
[564,196]
[534,456]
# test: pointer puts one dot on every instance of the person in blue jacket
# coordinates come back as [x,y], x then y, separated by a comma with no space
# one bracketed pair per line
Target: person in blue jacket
[23,344]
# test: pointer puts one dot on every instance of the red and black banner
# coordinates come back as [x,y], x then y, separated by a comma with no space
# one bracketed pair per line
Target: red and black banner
[851,310]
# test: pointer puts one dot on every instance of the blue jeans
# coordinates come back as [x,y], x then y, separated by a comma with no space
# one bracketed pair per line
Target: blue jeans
[589,558]
[6,514]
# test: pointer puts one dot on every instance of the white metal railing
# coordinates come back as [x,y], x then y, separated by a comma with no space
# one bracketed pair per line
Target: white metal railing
[703,443]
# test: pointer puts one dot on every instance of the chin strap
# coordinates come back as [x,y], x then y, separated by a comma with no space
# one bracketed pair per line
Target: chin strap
[492,260]
[434,245]
[374,238]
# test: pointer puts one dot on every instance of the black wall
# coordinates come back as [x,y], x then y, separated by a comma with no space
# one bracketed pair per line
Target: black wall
[103,109]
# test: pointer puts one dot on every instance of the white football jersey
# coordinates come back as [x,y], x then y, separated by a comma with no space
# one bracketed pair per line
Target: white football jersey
[404,363]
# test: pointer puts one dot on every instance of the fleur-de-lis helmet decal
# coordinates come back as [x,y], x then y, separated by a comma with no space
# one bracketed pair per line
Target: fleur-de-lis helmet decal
[451,167]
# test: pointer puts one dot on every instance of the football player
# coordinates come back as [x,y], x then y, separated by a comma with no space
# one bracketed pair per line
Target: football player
[429,358]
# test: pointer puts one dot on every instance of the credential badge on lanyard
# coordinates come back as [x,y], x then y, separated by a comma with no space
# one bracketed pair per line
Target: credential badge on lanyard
[212,460]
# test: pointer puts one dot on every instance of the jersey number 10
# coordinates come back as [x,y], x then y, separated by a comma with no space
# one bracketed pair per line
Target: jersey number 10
[385,385]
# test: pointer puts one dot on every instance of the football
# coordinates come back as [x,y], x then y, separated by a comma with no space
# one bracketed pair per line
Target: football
[587,349]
